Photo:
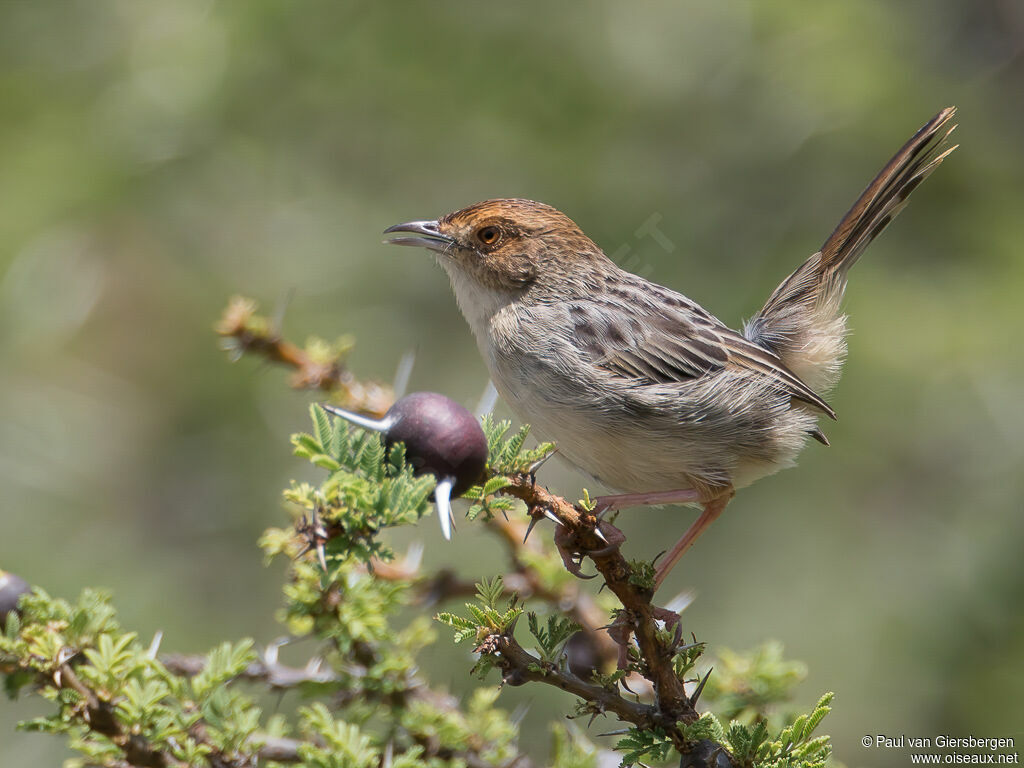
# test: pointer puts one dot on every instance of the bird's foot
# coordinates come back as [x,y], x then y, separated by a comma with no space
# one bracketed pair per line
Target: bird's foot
[572,551]
[671,618]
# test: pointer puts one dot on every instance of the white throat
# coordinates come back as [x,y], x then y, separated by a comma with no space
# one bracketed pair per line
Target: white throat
[477,302]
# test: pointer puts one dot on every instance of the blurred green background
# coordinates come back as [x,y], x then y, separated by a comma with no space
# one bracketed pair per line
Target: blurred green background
[157,157]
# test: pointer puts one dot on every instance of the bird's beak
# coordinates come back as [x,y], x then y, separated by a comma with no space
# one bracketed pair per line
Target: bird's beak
[432,237]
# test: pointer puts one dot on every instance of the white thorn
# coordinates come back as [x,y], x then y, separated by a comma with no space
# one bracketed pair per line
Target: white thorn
[377,425]
[552,516]
[414,556]
[282,306]
[443,501]
[680,602]
[154,647]
[600,534]
[402,373]
[269,655]
[487,401]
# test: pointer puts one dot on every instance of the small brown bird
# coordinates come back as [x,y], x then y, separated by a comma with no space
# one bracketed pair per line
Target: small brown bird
[639,386]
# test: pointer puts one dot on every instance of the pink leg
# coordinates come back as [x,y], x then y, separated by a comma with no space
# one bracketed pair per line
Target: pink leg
[623,500]
[712,509]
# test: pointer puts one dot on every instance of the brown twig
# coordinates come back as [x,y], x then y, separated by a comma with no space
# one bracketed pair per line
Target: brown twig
[519,666]
[246,332]
[640,614]
[276,676]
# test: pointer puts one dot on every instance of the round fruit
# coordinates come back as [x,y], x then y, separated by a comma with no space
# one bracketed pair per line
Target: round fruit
[440,436]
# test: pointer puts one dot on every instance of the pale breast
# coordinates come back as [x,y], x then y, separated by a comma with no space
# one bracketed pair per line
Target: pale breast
[711,431]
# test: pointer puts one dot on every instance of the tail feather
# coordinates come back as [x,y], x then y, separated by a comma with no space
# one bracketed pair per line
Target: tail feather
[802,321]
[888,192]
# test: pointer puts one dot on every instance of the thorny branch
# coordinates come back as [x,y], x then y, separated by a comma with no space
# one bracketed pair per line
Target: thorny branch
[641,616]
[579,532]
[245,332]
[523,581]
[269,671]
[99,715]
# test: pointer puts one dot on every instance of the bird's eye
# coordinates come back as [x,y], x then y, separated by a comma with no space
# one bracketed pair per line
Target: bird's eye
[488,235]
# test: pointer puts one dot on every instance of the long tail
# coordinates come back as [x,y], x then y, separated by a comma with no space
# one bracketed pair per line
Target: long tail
[802,321]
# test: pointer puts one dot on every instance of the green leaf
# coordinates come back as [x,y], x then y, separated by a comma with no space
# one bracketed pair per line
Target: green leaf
[324,461]
[322,424]
[552,637]
[305,445]
[652,745]
[495,484]
[821,709]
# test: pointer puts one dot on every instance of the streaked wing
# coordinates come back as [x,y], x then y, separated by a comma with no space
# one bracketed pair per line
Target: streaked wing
[671,346]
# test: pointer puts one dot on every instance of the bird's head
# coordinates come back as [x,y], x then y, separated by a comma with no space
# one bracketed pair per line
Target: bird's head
[503,246]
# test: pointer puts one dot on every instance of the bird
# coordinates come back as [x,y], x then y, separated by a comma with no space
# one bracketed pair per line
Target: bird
[639,386]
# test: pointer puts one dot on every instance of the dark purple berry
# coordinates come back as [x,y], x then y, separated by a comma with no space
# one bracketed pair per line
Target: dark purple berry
[440,436]
[11,588]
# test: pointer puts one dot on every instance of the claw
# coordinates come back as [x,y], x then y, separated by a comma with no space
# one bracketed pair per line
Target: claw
[671,618]
[573,567]
[624,662]
[572,557]
[603,551]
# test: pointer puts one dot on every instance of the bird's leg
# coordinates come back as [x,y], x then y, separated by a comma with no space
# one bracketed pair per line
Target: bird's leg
[712,509]
[605,504]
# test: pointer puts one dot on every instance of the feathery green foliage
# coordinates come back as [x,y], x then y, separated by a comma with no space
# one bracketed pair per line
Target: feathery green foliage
[552,637]
[485,617]
[364,700]
[506,456]
[367,489]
